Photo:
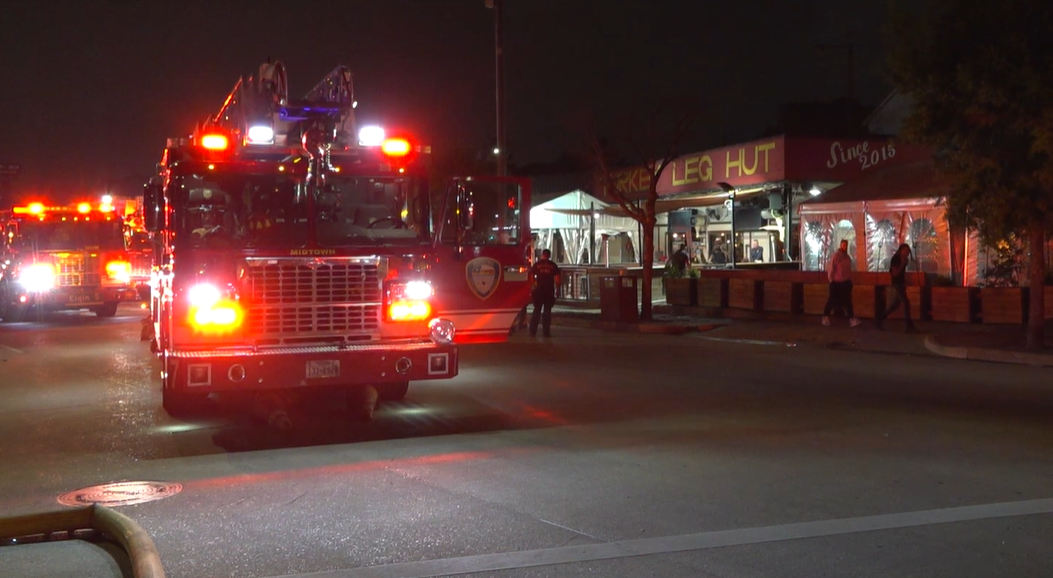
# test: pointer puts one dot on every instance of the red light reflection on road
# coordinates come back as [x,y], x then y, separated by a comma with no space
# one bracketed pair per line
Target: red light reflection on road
[439,459]
[544,415]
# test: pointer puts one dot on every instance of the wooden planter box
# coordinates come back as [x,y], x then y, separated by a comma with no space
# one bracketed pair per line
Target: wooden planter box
[682,291]
[865,300]
[713,292]
[960,304]
[745,294]
[782,296]
[1003,305]
[815,295]
[914,295]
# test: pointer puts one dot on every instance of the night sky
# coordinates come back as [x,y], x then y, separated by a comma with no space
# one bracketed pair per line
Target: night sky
[91,88]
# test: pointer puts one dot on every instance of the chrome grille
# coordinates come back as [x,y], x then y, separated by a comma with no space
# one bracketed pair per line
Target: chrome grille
[295,297]
[142,265]
[313,319]
[77,270]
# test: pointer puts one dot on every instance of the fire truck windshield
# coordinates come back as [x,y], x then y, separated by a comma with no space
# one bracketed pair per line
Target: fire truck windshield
[69,234]
[255,211]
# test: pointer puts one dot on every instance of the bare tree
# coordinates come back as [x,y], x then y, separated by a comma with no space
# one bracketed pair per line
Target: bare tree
[653,144]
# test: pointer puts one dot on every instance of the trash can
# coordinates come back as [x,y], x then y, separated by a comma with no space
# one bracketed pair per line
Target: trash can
[618,300]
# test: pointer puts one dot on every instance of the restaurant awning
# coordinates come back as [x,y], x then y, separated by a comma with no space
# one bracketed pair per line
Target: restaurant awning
[906,184]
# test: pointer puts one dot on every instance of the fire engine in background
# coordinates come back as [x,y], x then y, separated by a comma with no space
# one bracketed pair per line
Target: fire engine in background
[58,258]
[300,255]
[140,246]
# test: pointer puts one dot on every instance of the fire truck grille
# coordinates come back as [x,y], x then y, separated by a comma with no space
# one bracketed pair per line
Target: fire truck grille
[314,319]
[300,297]
[77,271]
[142,266]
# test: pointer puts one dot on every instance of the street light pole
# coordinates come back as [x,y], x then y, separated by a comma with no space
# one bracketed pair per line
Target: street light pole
[499,80]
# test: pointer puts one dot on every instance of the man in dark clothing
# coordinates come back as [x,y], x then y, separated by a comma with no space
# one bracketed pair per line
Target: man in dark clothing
[545,274]
[718,256]
[680,260]
[897,269]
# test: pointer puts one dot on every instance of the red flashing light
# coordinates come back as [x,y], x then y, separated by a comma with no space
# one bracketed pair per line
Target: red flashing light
[31,209]
[215,142]
[395,147]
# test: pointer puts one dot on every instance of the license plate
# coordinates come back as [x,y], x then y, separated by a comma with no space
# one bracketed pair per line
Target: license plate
[323,368]
[80,298]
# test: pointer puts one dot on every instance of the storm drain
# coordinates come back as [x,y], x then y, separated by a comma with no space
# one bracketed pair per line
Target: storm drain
[120,494]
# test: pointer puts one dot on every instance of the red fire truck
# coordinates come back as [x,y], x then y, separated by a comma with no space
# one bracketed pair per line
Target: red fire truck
[299,254]
[63,257]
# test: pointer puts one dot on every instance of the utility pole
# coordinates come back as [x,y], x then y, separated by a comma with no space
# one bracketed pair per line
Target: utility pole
[501,151]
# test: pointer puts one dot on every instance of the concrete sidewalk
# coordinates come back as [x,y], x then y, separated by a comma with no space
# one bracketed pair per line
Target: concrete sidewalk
[995,343]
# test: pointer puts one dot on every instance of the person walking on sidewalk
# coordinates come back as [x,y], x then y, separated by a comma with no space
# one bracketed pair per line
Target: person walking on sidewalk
[546,278]
[839,271]
[897,269]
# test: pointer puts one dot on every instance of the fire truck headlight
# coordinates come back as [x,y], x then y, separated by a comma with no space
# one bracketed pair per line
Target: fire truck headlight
[261,134]
[409,301]
[203,296]
[120,271]
[442,331]
[370,136]
[418,290]
[37,277]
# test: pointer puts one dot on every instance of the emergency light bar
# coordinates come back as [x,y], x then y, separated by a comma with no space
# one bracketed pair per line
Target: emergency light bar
[32,209]
[40,209]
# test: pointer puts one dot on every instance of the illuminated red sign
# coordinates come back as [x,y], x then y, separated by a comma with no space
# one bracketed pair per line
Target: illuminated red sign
[771,160]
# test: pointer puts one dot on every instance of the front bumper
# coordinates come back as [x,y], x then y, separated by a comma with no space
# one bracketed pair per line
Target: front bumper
[306,367]
[77,297]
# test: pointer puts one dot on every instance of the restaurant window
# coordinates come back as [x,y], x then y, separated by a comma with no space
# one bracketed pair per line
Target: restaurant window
[845,231]
[923,240]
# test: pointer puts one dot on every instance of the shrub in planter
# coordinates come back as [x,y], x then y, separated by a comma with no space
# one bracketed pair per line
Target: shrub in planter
[681,286]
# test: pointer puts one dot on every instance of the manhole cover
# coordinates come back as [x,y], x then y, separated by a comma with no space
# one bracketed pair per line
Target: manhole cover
[120,494]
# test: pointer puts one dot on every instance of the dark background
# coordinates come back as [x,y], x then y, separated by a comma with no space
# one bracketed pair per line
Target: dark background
[91,88]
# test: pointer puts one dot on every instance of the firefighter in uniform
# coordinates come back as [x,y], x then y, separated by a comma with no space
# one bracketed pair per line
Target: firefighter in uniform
[545,275]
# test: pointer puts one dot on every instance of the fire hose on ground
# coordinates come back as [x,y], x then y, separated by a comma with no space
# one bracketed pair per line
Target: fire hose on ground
[70,524]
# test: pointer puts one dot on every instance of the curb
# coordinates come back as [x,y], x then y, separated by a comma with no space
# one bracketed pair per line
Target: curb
[646,327]
[982,354]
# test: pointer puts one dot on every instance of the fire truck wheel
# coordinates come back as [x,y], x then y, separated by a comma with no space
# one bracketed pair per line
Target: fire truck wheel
[12,312]
[393,391]
[108,309]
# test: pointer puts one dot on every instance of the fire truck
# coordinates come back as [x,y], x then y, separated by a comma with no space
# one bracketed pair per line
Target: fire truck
[63,257]
[301,254]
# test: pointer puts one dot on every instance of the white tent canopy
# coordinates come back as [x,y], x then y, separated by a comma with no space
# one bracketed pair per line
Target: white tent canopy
[569,216]
[551,215]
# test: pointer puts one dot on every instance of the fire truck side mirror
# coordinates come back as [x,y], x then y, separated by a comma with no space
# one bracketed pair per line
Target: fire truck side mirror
[153,207]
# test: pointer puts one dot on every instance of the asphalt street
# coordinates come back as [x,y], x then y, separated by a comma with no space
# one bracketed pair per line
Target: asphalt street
[589,454]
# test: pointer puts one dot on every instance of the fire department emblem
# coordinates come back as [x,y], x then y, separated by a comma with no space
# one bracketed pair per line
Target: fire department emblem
[484,274]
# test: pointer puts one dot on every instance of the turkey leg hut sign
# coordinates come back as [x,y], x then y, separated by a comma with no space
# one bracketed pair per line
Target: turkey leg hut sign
[770,160]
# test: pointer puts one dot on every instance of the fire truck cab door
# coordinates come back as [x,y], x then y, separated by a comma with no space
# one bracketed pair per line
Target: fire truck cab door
[482,267]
